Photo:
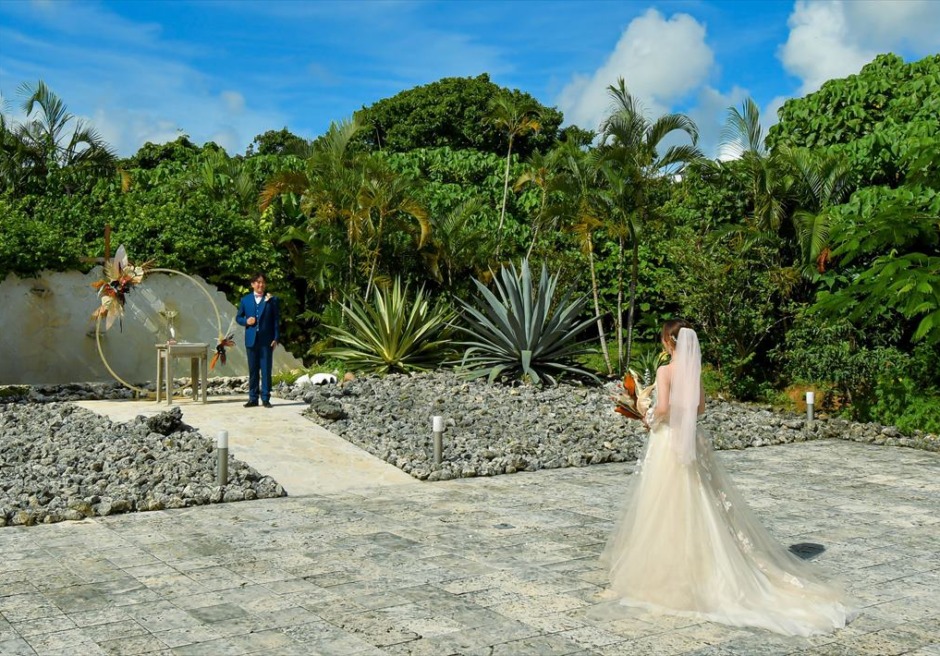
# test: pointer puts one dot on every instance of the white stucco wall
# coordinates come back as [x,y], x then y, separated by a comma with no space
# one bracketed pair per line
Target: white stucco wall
[47,335]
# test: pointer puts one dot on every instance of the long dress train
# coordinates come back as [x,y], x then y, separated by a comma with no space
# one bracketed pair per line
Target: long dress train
[687,544]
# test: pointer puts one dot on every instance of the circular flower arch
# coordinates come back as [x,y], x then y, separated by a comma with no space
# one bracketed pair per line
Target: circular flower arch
[119,278]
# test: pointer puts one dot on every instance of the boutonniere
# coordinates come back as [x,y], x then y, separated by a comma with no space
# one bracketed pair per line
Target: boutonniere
[267,297]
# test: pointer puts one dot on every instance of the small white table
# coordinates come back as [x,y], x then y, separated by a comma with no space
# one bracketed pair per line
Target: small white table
[198,354]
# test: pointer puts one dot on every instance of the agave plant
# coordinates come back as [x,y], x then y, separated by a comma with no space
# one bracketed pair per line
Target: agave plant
[394,333]
[648,361]
[523,332]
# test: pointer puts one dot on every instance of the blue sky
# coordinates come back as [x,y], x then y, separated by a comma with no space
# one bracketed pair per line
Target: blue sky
[227,70]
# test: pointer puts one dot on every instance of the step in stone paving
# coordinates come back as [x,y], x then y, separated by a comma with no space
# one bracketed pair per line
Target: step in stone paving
[481,566]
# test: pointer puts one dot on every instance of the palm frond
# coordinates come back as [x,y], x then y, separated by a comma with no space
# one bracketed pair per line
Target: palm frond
[669,123]
[282,183]
[742,132]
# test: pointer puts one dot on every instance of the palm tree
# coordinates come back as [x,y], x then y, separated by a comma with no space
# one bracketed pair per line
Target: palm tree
[579,186]
[742,139]
[384,196]
[516,117]
[822,181]
[542,171]
[630,147]
[12,157]
[786,179]
[221,177]
[355,191]
[44,142]
[767,178]
[328,186]
[458,242]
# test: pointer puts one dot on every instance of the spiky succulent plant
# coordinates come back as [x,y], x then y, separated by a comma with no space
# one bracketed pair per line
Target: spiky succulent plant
[523,331]
[393,333]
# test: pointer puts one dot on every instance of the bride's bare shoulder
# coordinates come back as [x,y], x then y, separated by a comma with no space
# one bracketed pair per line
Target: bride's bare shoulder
[664,371]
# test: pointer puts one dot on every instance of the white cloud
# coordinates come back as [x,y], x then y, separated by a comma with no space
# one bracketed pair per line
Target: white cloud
[151,97]
[662,61]
[820,46]
[229,138]
[126,131]
[155,93]
[127,116]
[832,39]
[233,101]
[892,23]
[322,75]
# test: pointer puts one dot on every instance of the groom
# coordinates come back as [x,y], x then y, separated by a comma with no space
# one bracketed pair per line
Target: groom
[258,312]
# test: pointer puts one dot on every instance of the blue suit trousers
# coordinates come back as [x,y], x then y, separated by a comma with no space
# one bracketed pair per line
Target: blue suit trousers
[260,358]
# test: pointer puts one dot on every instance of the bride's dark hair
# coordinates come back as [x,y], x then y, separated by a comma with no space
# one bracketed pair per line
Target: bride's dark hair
[671,329]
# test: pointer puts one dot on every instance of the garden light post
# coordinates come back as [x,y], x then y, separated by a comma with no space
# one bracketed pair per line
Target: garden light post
[222,448]
[437,427]
[810,401]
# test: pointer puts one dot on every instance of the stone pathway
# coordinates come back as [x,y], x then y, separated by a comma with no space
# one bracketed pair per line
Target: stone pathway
[302,456]
[504,565]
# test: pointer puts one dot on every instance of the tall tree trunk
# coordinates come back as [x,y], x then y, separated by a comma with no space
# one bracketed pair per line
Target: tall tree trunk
[375,257]
[620,306]
[634,274]
[535,233]
[352,270]
[597,310]
[502,212]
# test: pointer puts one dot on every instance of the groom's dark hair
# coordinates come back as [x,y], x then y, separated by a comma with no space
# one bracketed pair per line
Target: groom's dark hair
[257,275]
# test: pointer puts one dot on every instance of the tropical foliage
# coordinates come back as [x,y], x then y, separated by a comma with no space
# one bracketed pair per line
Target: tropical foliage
[453,112]
[808,255]
[49,141]
[632,165]
[393,333]
[524,332]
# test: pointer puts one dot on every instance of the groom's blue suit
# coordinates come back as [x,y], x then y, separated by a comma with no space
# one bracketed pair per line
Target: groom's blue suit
[258,339]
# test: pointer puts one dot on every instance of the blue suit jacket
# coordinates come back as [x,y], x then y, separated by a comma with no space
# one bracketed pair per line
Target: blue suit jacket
[268,316]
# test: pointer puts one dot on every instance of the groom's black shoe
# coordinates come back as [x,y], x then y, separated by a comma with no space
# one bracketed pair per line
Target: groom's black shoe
[267,404]
[251,404]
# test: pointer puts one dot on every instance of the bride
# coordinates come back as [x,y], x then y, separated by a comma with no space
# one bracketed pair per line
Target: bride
[687,544]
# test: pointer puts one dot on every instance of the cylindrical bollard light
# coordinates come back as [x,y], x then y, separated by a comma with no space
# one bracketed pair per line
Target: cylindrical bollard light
[810,400]
[437,427]
[222,448]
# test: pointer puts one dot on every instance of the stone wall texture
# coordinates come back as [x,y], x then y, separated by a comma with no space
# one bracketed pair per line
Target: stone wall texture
[47,335]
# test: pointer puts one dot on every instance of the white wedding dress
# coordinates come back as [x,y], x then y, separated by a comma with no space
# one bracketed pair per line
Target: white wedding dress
[687,544]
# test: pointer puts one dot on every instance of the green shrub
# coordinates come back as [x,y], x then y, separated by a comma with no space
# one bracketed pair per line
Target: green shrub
[836,357]
[864,376]
[593,361]
[288,377]
[900,402]
[714,383]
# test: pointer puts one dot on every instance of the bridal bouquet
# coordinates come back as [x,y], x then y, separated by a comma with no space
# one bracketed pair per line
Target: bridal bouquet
[634,399]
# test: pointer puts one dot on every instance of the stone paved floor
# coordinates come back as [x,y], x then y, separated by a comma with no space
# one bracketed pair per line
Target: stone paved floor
[504,565]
